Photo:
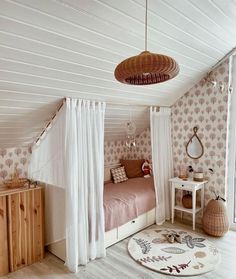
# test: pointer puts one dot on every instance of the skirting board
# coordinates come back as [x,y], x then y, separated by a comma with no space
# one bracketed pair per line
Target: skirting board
[112,236]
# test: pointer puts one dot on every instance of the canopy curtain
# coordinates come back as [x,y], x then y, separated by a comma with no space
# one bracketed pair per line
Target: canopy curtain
[230,177]
[85,182]
[72,156]
[162,160]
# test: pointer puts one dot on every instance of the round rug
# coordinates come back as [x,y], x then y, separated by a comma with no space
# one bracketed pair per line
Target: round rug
[194,256]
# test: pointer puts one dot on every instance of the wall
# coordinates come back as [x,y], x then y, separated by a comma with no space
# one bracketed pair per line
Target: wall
[143,147]
[205,107]
[11,157]
[116,150]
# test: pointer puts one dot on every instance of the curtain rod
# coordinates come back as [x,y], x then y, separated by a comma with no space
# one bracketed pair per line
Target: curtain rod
[109,103]
[230,53]
[50,121]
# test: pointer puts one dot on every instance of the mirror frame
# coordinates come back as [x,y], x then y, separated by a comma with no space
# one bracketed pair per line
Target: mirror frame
[195,129]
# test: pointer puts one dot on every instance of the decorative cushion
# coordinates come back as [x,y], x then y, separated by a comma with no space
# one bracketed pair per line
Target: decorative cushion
[133,168]
[119,175]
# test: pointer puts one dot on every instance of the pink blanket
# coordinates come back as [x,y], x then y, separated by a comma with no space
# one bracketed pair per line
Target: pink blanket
[126,201]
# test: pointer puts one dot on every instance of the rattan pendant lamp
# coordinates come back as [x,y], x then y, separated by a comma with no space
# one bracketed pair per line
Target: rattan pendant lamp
[147,67]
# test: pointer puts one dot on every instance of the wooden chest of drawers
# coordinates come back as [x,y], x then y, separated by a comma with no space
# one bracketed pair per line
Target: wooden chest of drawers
[21,229]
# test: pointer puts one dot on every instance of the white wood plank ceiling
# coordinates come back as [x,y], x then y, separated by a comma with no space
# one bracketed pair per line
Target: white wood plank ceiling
[50,49]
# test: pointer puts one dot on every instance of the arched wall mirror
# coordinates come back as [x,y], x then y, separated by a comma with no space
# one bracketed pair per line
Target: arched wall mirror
[194,147]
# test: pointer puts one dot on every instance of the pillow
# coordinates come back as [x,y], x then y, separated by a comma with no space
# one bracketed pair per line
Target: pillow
[133,168]
[119,175]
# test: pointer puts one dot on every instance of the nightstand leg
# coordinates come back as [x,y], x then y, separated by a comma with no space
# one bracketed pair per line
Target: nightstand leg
[173,204]
[194,209]
[202,200]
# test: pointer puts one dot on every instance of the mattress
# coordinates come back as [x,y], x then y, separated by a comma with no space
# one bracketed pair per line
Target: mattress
[127,200]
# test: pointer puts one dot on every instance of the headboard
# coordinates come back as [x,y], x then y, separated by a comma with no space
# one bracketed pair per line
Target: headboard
[107,171]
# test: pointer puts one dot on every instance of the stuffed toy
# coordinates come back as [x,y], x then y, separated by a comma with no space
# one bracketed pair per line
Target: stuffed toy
[147,169]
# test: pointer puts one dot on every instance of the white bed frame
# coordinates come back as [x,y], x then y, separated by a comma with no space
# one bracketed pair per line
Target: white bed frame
[115,235]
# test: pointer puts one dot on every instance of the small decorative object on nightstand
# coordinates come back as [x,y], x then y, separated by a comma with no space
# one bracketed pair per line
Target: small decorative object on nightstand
[198,176]
[187,185]
[183,172]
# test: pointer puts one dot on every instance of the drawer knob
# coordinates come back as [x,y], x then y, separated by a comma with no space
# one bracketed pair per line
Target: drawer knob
[182,185]
[133,222]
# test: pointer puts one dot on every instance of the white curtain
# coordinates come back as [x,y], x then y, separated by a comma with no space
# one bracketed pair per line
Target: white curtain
[230,177]
[72,156]
[85,178]
[162,160]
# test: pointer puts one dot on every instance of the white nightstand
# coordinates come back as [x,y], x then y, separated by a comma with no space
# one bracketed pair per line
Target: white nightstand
[186,185]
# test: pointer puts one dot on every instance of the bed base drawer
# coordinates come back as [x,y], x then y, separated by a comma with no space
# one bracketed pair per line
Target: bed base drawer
[111,237]
[132,226]
[151,217]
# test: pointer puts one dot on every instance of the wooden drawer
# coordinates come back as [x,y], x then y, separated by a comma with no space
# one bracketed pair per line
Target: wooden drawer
[4,267]
[25,228]
[132,226]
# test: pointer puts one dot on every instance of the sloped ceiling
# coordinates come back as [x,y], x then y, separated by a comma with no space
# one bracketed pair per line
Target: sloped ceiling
[50,49]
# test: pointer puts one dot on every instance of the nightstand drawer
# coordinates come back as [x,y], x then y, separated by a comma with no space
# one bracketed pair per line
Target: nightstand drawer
[183,186]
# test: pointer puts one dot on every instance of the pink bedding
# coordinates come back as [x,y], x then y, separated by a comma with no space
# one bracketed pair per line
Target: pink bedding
[127,200]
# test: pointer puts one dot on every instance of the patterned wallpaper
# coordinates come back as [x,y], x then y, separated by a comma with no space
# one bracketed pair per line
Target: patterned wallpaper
[143,149]
[11,157]
[205,107]
[116,150]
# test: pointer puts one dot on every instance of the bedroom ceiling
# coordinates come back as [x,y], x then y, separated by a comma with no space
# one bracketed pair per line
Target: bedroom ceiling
[50,49]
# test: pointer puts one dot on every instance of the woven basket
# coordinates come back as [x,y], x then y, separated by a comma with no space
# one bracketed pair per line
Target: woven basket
[187,201]
[215,219]
[12,183]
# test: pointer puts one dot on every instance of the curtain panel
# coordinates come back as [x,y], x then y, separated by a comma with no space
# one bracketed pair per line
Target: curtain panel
[72,156]
[85,178]
[162,160]
[230,176]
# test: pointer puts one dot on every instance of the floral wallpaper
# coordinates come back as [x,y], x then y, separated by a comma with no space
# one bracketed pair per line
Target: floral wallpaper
[11,157]
[203,106]
[116,150]
[143,149]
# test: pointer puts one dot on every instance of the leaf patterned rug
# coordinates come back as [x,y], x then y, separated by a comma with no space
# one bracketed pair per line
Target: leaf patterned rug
[195,255]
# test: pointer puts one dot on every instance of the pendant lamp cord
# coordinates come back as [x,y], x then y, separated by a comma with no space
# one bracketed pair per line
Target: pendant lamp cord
[146,28]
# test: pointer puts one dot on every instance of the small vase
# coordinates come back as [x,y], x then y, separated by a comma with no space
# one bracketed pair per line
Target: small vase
[183,172]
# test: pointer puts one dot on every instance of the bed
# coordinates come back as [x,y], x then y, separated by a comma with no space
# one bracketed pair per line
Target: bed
[128,207]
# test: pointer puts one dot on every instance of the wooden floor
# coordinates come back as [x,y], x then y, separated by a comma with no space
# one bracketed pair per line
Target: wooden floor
[118,264]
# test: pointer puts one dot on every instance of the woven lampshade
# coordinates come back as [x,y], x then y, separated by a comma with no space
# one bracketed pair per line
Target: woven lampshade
[146,68]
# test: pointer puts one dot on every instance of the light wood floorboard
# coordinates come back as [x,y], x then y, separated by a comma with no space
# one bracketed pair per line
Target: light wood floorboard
[119,265]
